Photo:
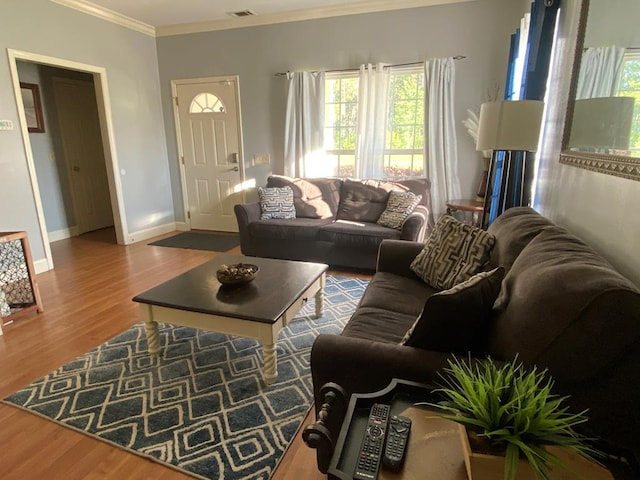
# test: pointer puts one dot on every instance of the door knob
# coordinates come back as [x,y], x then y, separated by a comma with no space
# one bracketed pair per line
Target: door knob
[75,168]
[235,169]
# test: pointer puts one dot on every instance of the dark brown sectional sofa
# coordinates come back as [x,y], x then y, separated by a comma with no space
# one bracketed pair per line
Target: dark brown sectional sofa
[335,221]
[561,306]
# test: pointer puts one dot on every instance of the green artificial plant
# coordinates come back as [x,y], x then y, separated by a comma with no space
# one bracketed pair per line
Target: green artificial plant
[512,410]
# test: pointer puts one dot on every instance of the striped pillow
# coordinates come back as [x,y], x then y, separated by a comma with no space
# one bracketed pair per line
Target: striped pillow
[453,253]
[399,207]
[276,203]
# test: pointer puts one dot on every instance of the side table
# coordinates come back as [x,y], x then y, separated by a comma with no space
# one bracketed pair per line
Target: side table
[467,205]
[434,449]
[19,292]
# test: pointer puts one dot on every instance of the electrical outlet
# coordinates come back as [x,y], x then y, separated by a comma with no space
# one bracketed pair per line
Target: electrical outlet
[261,159]
[6,125]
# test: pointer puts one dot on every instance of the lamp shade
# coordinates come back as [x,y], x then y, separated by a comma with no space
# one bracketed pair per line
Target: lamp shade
[510,125]
[602,123]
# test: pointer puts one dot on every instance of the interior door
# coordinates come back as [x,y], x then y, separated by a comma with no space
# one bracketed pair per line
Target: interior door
[210,135]
[84,153]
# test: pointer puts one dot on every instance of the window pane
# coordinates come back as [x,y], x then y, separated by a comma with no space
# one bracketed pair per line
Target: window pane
[347,166]
[348,138]
[206,103]
[629,86]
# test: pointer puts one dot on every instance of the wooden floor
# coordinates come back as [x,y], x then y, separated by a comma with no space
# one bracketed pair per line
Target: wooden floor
[87,300]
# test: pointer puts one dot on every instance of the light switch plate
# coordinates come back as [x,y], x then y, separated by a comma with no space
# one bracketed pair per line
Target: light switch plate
[261,159]
[6,125]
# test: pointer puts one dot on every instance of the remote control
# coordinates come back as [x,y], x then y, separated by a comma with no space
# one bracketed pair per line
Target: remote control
[371,450]
[397,438]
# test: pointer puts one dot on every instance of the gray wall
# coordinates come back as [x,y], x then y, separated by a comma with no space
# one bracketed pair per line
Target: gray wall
[479,30]
[40,26]
[598,208]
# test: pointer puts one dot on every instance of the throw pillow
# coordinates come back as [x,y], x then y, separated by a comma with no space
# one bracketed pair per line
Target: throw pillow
[399,207]
[456,320]
[276,202]
[453,253]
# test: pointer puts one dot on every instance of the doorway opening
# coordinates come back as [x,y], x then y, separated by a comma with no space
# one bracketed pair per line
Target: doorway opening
[71,160]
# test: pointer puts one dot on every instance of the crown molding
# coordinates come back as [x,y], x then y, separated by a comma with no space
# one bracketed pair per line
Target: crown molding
[108,15]
[298,15]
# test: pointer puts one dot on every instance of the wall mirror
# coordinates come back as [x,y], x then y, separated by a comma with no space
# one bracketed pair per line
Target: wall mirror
[602,131]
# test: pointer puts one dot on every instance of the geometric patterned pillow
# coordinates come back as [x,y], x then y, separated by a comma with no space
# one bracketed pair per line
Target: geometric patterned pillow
[453,253]
[399,207]
[276,202]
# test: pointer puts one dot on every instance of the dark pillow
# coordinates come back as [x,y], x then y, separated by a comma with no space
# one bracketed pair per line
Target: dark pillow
[362,201]
[456,320]
[276,203]
[453,253]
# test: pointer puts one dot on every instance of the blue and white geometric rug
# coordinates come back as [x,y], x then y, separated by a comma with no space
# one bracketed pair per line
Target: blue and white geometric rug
[201,407]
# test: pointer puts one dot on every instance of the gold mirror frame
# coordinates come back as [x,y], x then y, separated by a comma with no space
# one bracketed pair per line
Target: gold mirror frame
[616,165]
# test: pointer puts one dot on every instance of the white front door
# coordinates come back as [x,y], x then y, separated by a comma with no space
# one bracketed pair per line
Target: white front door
[84,153]
[211,145]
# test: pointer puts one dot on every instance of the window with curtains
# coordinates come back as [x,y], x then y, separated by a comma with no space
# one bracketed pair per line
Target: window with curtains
[404,130]
[629,86]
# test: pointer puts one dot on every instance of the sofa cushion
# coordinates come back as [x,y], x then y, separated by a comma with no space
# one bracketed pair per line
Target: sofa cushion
[453,253]
[388,307]
[276,202]
[312,197]
[362,201]
[456,320]
[557,305]
[297,229]
[396,293]
[399,207]
[356,234]
[514,229]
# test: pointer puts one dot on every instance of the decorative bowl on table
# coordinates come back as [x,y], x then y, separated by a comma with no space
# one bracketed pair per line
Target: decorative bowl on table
[237,274]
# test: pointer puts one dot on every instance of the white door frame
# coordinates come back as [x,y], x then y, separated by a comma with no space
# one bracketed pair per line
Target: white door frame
[176,118]
[108,141]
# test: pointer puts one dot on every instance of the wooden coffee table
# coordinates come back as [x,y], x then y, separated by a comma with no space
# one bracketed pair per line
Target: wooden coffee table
[257,310]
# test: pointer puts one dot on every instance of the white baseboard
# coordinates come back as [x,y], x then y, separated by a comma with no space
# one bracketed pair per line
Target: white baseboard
[62,234]
[182,227]
[41,265]
[147,233]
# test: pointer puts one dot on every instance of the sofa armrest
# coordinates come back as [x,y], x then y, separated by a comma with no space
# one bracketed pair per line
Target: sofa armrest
[395,256]
[364,366]
[245,214]
[416,225]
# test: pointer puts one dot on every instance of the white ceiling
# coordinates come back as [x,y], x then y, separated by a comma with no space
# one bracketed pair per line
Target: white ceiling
[172,17]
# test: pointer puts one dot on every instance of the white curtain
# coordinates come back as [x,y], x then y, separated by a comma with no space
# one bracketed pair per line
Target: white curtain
[599,72]
[372,120]
[304,125]
[441,148]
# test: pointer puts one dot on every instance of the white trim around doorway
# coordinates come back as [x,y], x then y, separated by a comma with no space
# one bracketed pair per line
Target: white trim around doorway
[108,142]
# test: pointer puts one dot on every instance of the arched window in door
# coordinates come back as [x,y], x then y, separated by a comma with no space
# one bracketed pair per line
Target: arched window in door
[206,103]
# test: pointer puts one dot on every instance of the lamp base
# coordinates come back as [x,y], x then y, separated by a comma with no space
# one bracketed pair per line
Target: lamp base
[481,192]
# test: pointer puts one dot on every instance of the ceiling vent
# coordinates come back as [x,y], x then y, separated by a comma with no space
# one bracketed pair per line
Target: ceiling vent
[242,13]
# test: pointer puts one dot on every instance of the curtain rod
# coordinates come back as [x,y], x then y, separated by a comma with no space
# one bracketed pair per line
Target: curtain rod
[345,70]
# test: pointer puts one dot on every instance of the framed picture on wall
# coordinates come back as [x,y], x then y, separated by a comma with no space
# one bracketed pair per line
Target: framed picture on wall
[32,107]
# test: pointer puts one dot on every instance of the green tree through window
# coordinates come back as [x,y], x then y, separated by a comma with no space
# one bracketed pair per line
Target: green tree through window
[629,86]
[404,138]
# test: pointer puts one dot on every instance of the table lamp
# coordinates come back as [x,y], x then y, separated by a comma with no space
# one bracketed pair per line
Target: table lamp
[509,126]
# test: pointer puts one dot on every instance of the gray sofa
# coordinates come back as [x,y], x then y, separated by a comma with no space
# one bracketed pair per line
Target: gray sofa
[560,306]
[335,221]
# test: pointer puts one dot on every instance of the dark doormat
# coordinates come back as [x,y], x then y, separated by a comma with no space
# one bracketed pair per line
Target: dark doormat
[200,241]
